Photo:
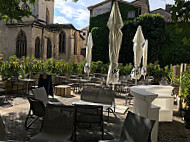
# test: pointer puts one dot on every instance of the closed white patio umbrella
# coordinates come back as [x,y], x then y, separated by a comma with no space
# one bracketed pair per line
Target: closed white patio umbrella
[115,23]
[145,57]
[88,54]
[138,53]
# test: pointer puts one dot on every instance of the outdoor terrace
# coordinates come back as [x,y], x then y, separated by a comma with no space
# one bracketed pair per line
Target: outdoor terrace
[16,108]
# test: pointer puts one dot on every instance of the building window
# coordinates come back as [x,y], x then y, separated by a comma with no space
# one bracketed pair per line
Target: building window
[131,14]
[47,16]
[21,45]
[37,48]
[75,43]
[62,42]
[49,48]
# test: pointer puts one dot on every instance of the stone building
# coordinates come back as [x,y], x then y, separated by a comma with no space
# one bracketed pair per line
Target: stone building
[106,5]
[164,12]
[144,4]
[37,35]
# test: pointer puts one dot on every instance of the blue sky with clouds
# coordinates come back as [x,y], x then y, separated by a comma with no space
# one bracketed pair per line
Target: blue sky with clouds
[78,14]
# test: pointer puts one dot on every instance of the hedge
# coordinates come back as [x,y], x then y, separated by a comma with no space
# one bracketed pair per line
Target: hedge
[30,65]
[153,26]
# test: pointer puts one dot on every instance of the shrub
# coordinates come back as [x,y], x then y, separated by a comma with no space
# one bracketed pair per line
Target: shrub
[185,86]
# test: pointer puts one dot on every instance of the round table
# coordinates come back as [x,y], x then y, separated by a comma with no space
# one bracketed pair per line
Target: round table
[27,80]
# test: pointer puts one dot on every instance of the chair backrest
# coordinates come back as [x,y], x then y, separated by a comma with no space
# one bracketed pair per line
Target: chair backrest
[37,107]
[40,94]
[89,94]
[98,95]
[58,118]
[2,130]
[136,128]
[105,96]
[88,114]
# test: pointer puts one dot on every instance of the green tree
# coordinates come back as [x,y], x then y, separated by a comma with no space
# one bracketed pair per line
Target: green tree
[10,9]
[181,16]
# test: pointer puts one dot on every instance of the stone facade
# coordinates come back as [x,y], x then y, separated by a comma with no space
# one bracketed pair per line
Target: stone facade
[105,6]
[101,9]
[40,25]
[144,4]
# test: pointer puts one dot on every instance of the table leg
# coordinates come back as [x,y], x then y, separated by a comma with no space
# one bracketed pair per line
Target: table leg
[27,88]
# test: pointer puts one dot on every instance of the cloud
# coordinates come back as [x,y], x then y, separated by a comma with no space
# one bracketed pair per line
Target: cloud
[61,20]
[76,13]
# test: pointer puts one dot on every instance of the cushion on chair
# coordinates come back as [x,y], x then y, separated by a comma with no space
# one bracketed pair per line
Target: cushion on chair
[40,94]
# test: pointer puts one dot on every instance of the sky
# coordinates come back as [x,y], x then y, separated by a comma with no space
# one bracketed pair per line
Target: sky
[68,12]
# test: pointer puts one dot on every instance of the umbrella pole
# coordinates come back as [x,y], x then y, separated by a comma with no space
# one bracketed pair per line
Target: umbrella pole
[113,86]
[135,77]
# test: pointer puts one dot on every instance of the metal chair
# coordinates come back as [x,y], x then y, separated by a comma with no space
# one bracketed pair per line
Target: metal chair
[40,94]
[57,125]
[88,115]
[37,110]
[135,129]
[2,130]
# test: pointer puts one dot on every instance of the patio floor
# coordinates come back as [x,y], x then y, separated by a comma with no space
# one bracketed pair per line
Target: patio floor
[15,111]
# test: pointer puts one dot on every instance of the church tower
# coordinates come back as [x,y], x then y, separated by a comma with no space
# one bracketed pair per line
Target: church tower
[46,11]
[42,10]
[145,6]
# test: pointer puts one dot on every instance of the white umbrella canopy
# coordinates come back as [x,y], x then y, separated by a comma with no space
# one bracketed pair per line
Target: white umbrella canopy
[145,57]
[115,23]
[88,54]
[138,53]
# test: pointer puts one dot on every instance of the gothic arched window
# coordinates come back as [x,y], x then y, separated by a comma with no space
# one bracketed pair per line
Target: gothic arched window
[49,48]
[37,47]
[62,40]
[21,45]
[47,16]
[75,43]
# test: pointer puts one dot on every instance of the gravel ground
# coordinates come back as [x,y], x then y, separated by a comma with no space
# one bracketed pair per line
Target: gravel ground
[16,108]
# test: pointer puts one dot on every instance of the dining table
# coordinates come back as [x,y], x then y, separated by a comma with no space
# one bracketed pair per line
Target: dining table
[28,81]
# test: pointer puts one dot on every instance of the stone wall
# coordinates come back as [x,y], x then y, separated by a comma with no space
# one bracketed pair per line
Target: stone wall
[8,39]
[42,6]
[106,7]
[3,39]
[145,7]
